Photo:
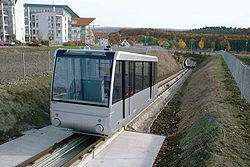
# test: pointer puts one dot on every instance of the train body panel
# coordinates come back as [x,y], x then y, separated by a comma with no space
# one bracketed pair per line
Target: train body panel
[100,91]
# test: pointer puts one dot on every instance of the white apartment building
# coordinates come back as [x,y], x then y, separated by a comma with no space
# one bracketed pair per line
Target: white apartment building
[80,30]
[102,38]
[11,20]
[48,22]
[56,23]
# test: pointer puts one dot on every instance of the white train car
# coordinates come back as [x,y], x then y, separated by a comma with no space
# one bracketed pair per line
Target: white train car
[99,92]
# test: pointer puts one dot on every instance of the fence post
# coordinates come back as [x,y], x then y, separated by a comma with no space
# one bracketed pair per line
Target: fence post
[49,60]
[24,68]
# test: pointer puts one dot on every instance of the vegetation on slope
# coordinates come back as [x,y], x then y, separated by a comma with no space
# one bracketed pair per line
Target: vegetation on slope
[23,105]
[188,40]
[207,123]
[244,58]
[220,30]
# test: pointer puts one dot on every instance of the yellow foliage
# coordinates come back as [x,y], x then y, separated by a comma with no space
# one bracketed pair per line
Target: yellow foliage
[181,44]
[181,59]
[201,44]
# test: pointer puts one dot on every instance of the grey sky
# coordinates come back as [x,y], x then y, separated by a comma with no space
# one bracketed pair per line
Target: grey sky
[181,14]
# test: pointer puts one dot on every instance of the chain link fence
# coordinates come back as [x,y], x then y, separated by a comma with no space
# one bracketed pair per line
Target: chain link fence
[17,64]
[240,72]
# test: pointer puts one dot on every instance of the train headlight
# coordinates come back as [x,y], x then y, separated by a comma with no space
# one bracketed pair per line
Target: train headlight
[99,128]
[56,122]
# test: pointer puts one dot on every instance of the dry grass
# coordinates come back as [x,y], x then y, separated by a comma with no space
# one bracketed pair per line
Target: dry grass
[244,58]
[211,121]
[23,105]
[167,65]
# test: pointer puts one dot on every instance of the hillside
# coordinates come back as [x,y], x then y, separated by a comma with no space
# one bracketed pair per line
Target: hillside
[207,123]
[224,40]
[24,105]
[220,30]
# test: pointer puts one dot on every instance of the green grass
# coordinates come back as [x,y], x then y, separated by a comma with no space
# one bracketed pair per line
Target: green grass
[56,47]
[244,58]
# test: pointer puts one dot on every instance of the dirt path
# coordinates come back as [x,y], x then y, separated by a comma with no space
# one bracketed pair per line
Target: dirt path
[207,124]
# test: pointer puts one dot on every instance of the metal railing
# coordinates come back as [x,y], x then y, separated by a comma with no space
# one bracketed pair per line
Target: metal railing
[240,72]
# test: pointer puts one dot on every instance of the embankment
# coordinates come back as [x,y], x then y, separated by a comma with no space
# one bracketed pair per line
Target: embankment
[23,105]
[207,123]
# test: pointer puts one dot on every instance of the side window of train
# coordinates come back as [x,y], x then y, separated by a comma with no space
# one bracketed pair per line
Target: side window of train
[138,76]
[117,88]
[126,79]
[132,78]
[154,73]
[146,74]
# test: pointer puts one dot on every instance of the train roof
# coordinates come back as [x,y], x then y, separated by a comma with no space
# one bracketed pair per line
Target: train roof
[118,55]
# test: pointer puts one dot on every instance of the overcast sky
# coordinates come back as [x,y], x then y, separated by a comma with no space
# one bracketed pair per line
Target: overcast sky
[179,14]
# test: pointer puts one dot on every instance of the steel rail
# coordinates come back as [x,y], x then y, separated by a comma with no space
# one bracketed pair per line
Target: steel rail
[47,151]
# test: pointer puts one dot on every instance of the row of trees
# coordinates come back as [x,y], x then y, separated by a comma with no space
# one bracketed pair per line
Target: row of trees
[174,39]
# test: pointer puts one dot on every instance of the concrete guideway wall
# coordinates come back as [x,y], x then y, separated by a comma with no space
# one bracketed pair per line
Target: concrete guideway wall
[241,73]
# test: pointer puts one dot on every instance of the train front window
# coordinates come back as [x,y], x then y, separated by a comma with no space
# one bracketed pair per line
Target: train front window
[82,79]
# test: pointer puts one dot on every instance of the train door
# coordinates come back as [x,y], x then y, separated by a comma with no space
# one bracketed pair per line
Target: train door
[126,89]
[132,87]
[153,79]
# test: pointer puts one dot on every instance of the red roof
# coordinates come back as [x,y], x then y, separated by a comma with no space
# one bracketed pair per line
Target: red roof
[81,21]
[101,35]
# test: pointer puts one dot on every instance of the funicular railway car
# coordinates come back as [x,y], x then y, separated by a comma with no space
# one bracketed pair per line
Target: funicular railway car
[99,92]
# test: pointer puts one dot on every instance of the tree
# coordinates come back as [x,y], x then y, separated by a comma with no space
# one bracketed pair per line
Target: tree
[164,43]
[182,44]
[201,44]
[192,42]
[212,45]
[228,46]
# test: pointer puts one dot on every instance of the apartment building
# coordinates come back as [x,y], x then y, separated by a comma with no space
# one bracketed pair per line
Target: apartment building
[57,23]
[47,22]
[80,30]
[11,20]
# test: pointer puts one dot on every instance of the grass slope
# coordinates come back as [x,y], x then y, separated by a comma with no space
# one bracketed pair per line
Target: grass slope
[244,58]
[207,123]
[23,105]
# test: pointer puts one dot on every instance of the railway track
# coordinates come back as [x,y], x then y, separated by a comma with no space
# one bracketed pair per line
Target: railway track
[68,151]
[64,153]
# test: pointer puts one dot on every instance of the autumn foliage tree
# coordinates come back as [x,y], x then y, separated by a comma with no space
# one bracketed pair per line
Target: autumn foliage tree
[181,44]
[211,38]
[201,44]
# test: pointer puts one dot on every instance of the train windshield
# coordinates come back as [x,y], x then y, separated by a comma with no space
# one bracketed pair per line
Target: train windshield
[82,79]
